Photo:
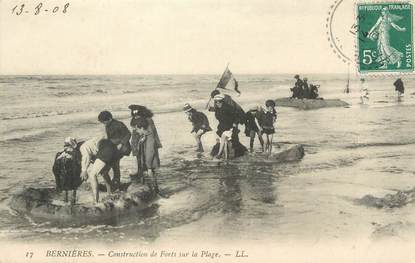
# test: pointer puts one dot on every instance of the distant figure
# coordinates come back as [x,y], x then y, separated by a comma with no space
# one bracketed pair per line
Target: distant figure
[314,91]
[306,89]
[364,92]
[67,168]
[200,124]
[298,88]
[105,153]
[118,133]
[149,156]
[267,122]
[139,111]
[400,89]
[253,127]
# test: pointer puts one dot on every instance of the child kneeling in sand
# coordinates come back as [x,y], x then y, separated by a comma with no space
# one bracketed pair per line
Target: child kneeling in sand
[148,155]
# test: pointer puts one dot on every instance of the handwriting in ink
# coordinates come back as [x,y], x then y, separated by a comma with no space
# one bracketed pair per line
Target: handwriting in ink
[39,9]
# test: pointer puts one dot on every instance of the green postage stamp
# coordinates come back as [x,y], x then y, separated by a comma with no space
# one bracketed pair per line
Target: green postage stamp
[385,37]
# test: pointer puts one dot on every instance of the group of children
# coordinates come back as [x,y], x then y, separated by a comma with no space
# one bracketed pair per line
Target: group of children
[258,122]
[100,154]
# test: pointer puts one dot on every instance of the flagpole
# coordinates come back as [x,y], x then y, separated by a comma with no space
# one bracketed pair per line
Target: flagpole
[217,85]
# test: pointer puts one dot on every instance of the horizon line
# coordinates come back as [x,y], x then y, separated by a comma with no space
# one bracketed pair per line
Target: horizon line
[151,74]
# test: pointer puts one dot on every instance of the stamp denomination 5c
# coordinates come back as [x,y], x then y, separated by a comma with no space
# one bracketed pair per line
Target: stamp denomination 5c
[385,37]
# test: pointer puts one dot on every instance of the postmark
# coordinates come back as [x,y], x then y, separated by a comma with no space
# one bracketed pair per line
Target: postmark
[384,37]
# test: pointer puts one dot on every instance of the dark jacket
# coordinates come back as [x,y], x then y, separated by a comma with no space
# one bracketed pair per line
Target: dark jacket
[118,133]
[199,121]
[313,91]
[67,170]
[226,116]
[306,91]
[399,86]
[240,113]
[298,89]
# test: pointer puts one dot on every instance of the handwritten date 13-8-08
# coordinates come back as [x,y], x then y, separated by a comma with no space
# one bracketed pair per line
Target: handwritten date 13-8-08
[39,9]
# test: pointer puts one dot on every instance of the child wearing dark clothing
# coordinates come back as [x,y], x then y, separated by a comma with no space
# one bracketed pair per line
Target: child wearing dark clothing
[139,111]
[253,127]
[200,124]
[268,119]
[148,150]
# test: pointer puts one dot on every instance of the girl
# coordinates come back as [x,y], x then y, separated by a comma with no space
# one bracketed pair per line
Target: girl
[148,155]
[138,111]
[268,119]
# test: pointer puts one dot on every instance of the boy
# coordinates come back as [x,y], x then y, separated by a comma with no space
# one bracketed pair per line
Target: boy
[200,124]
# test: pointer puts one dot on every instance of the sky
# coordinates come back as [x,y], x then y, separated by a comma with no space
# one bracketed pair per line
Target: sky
[167,37]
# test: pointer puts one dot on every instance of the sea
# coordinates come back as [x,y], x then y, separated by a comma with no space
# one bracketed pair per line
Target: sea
[349,152]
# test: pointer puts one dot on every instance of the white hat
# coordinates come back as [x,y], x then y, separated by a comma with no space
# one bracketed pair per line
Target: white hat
[219,97]
[69,141]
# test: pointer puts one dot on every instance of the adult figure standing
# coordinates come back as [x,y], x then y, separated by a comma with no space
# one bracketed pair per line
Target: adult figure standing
[298,88]
[306,89]
[399,87]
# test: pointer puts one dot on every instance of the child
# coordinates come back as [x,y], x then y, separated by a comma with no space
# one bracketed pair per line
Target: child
[268,119]
[252,127]
[364,92]
[200,124]
[148,154]
[139,111]
[67,168]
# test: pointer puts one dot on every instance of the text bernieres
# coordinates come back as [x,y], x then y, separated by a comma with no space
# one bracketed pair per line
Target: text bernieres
[69,253]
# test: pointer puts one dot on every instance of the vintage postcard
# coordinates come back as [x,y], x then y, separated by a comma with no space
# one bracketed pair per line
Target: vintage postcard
[207,131]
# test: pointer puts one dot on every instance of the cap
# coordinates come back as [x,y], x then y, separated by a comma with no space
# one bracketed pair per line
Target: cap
[69,141]
[296,76]
[219,97]
[187,107]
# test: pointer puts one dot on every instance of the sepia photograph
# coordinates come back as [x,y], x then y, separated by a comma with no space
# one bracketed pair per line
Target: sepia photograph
[207,131]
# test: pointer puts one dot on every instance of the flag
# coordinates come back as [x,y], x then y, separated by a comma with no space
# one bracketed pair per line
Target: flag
[225,79]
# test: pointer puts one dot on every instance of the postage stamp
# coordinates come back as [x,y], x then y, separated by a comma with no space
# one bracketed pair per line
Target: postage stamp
[385,37]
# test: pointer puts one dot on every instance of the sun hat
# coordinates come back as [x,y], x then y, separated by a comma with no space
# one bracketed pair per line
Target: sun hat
[187,107]
[219,97]
[69,141]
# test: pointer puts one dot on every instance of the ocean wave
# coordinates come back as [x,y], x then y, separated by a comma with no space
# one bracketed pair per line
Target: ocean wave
[29,136]
[377,144]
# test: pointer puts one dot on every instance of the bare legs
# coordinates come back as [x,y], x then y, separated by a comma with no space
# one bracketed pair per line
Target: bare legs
[268,143]
[252,139]
[223,146]
[198,137]
[99,167]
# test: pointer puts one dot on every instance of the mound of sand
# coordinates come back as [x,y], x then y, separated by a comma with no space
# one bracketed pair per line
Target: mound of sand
[400,199]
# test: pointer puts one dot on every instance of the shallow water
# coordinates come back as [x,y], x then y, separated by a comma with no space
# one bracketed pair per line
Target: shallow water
[350,152]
